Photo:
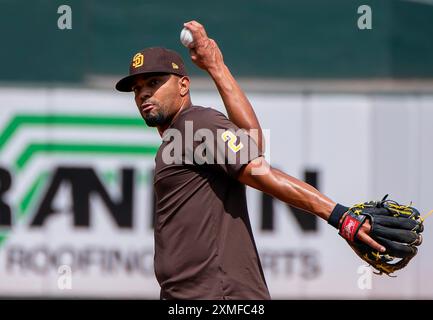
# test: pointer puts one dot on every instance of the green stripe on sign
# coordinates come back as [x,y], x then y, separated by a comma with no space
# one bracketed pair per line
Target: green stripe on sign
[30,194]
[3,237]
[68,120]
[35,148]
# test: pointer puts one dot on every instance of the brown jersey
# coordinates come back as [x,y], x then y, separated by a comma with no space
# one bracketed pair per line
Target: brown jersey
[204,245]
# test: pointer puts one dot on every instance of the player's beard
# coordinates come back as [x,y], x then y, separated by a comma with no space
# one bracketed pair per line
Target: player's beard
[158,116]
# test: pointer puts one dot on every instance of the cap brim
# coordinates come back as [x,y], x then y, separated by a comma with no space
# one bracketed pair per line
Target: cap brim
[125,84]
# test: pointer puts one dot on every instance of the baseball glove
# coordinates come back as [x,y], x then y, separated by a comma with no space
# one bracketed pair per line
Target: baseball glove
[396,227]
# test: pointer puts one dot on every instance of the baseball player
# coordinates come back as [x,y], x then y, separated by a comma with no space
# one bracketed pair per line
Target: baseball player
[204,245]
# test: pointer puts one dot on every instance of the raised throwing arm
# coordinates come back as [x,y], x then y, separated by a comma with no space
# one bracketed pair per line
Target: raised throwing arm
[206,54]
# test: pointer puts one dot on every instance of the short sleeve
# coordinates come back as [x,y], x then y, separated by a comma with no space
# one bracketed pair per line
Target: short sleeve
[219,143]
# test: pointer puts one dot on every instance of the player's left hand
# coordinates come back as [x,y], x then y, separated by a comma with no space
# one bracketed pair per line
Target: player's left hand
[204,51]
[370,225]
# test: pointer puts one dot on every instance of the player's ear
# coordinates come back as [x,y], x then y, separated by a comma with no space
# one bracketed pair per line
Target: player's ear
[183,85]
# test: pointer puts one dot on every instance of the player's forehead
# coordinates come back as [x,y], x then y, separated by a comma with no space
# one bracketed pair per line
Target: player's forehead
[142,79]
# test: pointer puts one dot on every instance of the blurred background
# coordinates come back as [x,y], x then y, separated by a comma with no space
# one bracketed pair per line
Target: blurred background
[344,89]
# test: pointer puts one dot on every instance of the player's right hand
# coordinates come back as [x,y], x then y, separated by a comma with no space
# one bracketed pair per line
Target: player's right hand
[204,51]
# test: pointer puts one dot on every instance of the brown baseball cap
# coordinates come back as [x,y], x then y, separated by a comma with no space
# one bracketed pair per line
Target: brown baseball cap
[152,60]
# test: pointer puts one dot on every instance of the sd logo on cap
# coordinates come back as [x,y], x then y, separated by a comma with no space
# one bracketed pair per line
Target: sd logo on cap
[138,60]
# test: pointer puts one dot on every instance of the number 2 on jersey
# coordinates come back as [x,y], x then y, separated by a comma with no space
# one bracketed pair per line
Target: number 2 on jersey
[231,137]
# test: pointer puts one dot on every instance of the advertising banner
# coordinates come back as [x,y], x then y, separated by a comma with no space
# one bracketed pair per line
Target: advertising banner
[77,203]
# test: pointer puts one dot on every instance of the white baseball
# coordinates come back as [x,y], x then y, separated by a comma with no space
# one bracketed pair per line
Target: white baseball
[186,37]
